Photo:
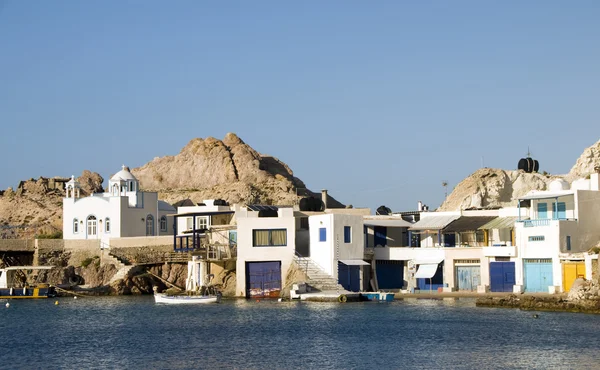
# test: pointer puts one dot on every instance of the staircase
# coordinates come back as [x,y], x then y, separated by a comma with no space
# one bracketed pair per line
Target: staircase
[122,269]
[317,278]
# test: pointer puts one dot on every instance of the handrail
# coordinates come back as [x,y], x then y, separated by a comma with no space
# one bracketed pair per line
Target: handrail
[308,259]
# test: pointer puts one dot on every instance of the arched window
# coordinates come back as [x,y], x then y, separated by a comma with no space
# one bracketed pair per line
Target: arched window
[75,226]
[115,190]
[92,228]
[70,191]
[163,223]
[107,225]
[149,225]
[130,185]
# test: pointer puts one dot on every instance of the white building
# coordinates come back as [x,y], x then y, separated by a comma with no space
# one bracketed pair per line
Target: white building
[123,211]
[266,243]
[337,245]
[563,225]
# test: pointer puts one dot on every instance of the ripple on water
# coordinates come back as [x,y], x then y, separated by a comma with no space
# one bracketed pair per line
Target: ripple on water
[134,332]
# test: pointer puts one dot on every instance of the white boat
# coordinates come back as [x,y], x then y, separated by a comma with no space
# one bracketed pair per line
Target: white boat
[186,299]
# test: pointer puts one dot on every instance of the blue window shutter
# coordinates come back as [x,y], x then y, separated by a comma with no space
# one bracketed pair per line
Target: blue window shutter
[347,234]
[322,234]
[542,209]
[568,242]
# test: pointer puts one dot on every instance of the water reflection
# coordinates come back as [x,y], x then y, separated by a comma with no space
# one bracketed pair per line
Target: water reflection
[133,332]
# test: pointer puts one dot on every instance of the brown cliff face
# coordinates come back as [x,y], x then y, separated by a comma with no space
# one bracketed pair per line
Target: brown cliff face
[229,169]
[490,188]
[36,205]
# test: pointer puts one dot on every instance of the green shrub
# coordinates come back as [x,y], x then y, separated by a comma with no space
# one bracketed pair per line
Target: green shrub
[54,235]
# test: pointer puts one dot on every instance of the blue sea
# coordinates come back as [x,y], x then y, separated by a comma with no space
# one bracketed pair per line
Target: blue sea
[136,333]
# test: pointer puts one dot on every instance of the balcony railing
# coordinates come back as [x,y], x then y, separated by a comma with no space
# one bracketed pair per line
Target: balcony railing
[543,222]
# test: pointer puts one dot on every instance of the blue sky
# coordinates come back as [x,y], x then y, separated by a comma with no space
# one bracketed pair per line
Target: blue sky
[379,102]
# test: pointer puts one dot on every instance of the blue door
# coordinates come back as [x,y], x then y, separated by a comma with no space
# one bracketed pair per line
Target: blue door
[468,277]
[390,274]
[437,281]
[380,236]
[538,275]
[502,276]
[263,279]
[349,277]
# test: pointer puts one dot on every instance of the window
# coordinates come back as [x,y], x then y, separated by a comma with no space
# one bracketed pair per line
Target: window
[568,242]
[322,234]
[107,225]
[201,223]
[75,226]
[347,234]
[130,185]
[92,228]
[303,223]
[163,223]
[542,209]
[537,238]
[269,238]
[560,211]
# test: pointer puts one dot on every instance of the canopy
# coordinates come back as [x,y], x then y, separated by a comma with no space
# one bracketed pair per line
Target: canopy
[426,271]
[433,222]
[467,223]
[354,262]
[500,223]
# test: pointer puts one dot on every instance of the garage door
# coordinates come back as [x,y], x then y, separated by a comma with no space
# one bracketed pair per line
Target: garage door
[538,275]
[502,276]
[263,279]
[349,277]
[390,274]
[468,277]
[571,271]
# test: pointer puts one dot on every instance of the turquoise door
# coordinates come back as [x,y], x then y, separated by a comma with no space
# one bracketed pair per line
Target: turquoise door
[468,277]
[537,274]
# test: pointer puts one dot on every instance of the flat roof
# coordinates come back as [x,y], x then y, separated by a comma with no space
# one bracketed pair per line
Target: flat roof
[206,213]
[10,268]
[500,223]
[388,223]
[548,194]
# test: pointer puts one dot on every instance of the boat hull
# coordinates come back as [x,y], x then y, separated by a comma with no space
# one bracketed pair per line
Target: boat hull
[377,296]
[27,293]
[185,299]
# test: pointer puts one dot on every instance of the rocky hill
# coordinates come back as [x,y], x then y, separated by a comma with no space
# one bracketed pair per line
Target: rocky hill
[35,207]
[226,169]
[489,188]
[208,168]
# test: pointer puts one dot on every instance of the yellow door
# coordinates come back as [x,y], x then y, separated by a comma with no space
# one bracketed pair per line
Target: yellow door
[572,271]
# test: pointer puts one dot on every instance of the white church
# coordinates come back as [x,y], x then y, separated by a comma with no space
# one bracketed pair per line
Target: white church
[123,211]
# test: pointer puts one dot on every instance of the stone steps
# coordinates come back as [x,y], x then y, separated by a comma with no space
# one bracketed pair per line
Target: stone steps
[317,278]
[121,274]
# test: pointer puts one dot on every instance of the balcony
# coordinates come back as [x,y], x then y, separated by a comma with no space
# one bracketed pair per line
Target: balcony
[543,222]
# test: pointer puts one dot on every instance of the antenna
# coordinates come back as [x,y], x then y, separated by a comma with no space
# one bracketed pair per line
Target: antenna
[445,185]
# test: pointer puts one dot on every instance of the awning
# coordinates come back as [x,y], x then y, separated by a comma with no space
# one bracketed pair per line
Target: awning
[428,261]
[388,223]
[426,271]
[500,223]
[354,262]
[433,222]
[467,223]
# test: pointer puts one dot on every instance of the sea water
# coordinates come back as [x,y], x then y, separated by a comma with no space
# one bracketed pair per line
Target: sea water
[136,333]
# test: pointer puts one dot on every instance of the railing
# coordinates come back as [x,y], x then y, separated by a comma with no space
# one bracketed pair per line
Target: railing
[535,223]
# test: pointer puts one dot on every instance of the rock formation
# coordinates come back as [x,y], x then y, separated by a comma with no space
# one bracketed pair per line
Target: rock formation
[228,169]
[491,188]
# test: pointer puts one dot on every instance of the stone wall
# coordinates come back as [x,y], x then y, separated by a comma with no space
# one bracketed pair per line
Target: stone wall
[147,254]
[17,245]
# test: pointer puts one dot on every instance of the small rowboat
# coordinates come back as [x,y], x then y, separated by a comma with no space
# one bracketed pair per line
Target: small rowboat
[186,299]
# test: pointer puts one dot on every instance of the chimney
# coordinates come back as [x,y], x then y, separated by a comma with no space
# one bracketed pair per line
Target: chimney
[595,179]
[420,206]
[324,198]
